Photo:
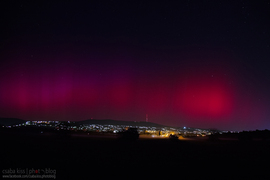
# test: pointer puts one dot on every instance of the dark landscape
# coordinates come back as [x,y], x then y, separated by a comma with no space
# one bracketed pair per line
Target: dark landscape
[83,156]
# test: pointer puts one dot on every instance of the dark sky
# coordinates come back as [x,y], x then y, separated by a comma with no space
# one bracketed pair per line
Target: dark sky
[202,64]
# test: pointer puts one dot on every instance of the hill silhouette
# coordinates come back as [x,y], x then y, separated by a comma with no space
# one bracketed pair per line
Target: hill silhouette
[15,121]
[117,122]
[11,121]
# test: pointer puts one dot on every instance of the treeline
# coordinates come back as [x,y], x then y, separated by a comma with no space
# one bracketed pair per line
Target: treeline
[263,135]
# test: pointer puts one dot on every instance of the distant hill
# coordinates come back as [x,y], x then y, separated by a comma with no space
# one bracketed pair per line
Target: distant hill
[10,121]
[117,122]
[15,121]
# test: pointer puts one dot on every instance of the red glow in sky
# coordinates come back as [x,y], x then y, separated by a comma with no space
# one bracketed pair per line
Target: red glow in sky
[197,64]
[205,99]
[203,95]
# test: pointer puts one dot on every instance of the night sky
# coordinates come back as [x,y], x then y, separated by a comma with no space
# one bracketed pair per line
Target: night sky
[203,64]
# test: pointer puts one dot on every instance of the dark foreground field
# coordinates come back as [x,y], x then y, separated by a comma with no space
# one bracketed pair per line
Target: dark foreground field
[86,157]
